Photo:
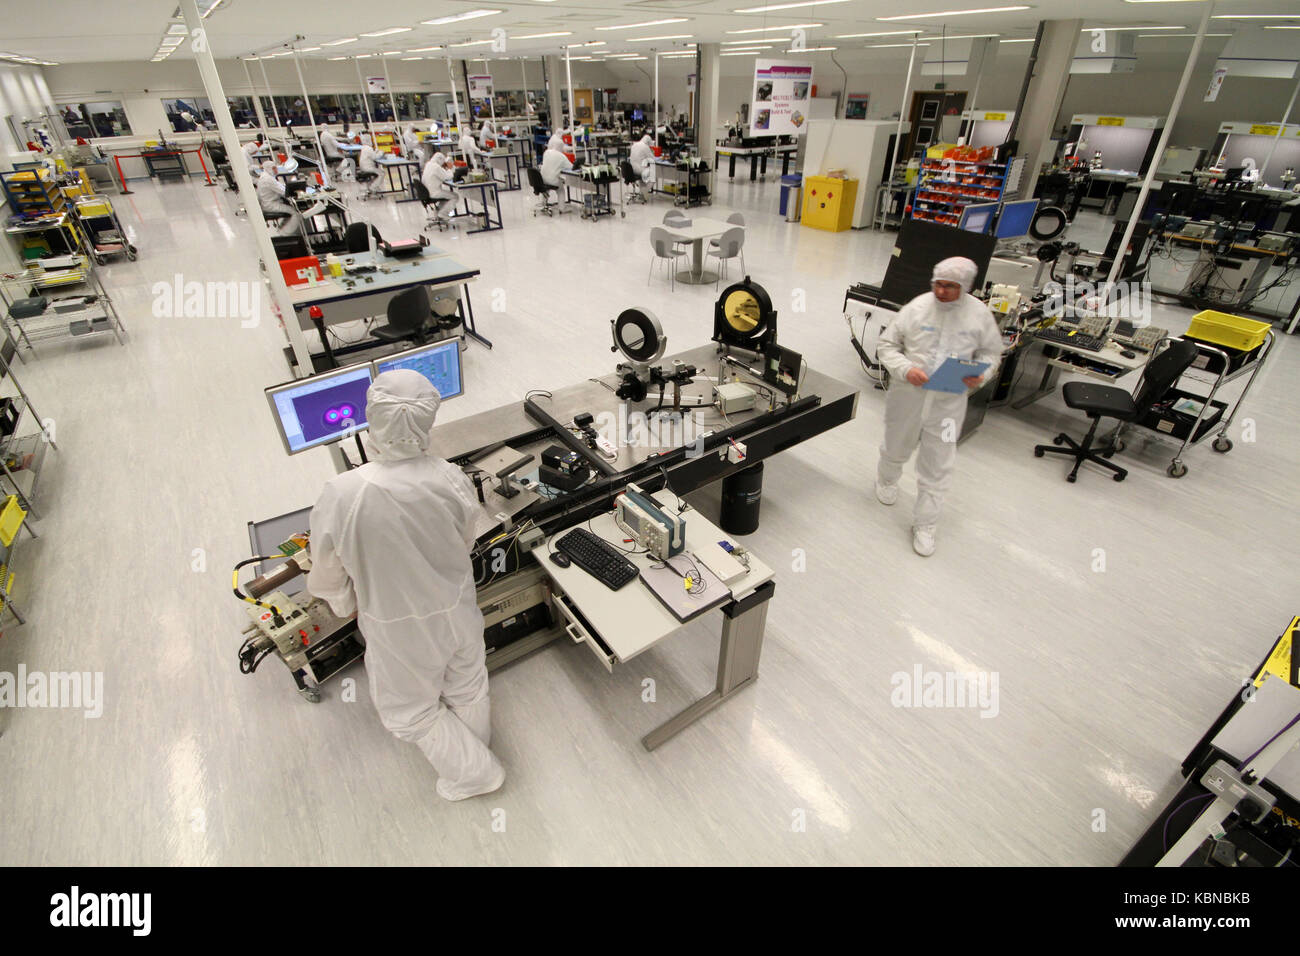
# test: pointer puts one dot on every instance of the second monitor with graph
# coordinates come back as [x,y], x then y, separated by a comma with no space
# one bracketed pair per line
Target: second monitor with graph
[439,363]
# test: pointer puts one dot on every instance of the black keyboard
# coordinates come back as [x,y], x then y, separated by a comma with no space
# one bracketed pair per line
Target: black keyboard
[1065,335]
[598,557]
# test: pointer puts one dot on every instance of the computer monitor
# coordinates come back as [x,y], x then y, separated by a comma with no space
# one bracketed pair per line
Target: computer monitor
[439,363]
[638,114]
[320,409]
[1016,218]
[977,217]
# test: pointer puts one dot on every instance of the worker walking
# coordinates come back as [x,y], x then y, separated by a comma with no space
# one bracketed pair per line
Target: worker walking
[942,323]
[390,542]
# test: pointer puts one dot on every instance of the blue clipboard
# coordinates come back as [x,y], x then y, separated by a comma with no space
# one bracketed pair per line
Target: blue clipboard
[948,376]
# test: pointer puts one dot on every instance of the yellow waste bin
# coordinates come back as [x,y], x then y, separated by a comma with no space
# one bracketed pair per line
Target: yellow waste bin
[828,203]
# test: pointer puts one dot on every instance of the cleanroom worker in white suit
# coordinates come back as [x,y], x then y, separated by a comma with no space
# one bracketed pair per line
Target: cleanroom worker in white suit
[942,323]
[390,542]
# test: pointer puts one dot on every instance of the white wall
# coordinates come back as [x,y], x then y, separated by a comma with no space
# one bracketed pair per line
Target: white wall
[23,94]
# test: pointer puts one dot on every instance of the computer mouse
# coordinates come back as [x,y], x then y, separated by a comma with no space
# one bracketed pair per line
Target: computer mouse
[560,558]
[1129,354]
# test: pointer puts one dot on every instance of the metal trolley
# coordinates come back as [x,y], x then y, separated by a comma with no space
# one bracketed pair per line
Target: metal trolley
[101,229]
[1203,424]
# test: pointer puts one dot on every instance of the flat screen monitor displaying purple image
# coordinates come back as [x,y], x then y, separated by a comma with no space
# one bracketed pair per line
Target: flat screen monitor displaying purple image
[321,409]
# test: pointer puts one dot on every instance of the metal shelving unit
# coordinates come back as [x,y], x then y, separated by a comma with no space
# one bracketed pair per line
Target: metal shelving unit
[91,318]
[22,451]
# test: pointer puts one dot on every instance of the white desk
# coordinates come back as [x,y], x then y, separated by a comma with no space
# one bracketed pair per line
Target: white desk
[340,302]
[699,230]
[618,625]
[1108,365]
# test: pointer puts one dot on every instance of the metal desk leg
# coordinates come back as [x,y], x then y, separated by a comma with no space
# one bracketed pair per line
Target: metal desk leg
[785,162]
[753,167]
[743,625]
[763,168]
[467,316]
[731,168]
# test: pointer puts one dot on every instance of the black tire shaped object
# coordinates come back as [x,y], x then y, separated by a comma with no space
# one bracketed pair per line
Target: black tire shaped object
[1048,223]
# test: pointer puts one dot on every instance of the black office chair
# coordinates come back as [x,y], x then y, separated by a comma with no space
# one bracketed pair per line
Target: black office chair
[430,206]
[1107,401]
[408,316]
[630,178]
[355,237]
[540,188]
[367,177]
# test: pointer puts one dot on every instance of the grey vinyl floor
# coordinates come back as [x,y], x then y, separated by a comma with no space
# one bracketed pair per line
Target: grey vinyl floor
[1117,619]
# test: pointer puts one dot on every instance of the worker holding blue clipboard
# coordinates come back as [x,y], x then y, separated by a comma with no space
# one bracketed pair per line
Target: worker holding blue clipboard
[938,349]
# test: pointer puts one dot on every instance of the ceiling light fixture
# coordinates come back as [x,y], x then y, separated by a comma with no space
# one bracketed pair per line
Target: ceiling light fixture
[471,43]
[882,33]
[815,49]
[543,36]
[1254,16]
[308,49]
[338,42]
[672,36]
[788,6]
[178,29]
[644,23]
[953,13]
[458,17]
[792,26]
[388,32]
[424,49]
[892,46]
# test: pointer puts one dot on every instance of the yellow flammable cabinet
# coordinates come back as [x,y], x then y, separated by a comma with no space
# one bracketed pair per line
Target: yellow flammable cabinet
[828,203]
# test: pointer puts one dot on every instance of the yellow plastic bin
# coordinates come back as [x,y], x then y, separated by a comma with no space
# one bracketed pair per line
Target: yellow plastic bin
[828,203]
[1230,330]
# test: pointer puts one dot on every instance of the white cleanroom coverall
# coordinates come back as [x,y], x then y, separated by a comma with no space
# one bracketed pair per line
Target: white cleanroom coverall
[469,149]
[924,334]
[391,541]
[554,163]
[642,158]
[437,179]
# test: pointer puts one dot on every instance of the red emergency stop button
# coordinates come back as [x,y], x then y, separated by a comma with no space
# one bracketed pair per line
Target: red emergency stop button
[303,635]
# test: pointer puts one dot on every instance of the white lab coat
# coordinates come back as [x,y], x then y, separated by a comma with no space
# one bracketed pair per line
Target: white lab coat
[437,179]
[368,159]
[391,541]
[554,162]
[469,149]
[486,132]
[411,144]
[251,149]
[642,158]
[330,145]
[924,334]
[271,197]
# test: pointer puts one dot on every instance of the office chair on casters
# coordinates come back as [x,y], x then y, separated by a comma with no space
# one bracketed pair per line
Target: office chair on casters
[540,188]
[408,316]
[1107,401]
[630,178]
[367,178]
[356,240]
[434,216]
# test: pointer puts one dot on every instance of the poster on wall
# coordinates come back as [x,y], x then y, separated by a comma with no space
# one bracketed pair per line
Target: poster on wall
[480,87]
[782,98]
[856,107]
[376,84]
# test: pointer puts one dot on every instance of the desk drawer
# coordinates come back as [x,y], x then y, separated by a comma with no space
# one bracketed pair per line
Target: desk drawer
[580,632]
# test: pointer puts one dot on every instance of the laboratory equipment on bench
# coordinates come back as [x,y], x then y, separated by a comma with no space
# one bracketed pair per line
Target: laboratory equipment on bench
[598,558]
[640,337]
[301,630]
[661,534]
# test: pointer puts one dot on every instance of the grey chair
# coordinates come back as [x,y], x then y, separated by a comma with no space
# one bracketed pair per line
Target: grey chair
[664,251]
[674,217]
[736,219]
[730,245]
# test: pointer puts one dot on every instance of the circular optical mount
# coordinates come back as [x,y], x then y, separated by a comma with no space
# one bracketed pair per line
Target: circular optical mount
[1048,223]
[743,317]
[639,336]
